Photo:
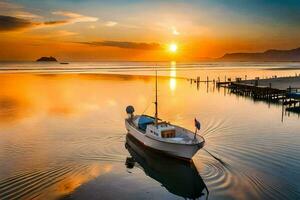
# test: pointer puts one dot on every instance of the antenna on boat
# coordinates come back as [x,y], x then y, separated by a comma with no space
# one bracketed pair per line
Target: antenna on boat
[156,110]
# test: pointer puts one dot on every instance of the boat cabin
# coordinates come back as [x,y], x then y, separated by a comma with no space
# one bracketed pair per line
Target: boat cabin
[147,125]
[163,130]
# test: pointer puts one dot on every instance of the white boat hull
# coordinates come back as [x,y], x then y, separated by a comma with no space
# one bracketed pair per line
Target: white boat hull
[172,149]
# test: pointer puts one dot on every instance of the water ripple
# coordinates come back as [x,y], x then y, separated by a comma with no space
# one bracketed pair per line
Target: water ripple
[31,184]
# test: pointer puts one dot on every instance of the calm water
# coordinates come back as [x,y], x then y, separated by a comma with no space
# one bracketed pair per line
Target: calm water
[62,134]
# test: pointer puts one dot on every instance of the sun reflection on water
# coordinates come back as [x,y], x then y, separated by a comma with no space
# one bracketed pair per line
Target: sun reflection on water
[173,76]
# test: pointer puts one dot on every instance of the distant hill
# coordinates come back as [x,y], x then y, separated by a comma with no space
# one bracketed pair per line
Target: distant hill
[47,59]
[269,55]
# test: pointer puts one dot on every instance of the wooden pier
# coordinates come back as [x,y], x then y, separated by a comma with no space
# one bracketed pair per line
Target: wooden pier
[272,90]
[225,83]
[257,92]
[289,97]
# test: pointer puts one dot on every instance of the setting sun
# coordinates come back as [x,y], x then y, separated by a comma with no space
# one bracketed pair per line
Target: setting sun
[173,47]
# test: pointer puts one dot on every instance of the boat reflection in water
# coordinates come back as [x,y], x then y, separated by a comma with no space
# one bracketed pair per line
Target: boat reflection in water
[178,177]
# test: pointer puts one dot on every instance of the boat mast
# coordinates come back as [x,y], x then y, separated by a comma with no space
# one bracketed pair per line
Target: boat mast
[156,110]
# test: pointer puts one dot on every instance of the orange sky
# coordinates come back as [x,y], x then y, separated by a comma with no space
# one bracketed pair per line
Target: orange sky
[140,30]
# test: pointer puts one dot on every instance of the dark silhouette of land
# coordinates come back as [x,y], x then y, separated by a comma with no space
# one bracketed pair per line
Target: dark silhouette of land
[269,55]
[47,59]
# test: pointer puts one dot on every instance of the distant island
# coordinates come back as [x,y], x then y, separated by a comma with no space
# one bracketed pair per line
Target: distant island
[269,55]
[47,59]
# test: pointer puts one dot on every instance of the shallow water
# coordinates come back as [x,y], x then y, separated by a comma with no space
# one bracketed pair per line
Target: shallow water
[63,136]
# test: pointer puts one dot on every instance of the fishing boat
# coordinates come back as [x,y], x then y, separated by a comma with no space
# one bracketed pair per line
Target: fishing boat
[162,136]
[182,179]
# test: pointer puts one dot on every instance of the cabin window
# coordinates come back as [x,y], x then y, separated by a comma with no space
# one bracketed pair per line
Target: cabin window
[168,134]
[154,132]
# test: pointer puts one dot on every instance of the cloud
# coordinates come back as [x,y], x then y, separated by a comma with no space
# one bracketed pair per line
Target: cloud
[75,17]
[8,23]
[15,10]
[126,45]
[14,23]
[52,23]
[111,23]
[4,5]
[26,15]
